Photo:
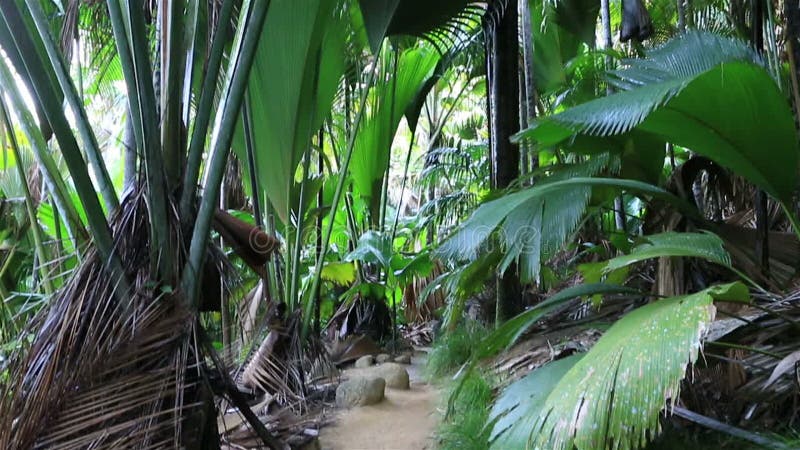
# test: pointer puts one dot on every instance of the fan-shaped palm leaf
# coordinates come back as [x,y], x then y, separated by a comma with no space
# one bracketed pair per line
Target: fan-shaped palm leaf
[291,88]
[372,146]
[516,409]
[442,22]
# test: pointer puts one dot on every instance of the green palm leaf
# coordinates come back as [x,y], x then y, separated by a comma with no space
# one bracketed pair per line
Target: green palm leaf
[291,88]
[392,97]
[516,409]
[700,92]
[507,334]
[614,394]
[536,221]
[441,21]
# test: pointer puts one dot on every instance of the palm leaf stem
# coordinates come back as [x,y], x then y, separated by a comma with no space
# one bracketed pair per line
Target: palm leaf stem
[204,110]
[716,425]
[141,103]
[78,169]
[52,177]
[403,188]
[82,122]
[301,208]
[172,59]
[247,122]
[255,12]
[30,208]
[161,248]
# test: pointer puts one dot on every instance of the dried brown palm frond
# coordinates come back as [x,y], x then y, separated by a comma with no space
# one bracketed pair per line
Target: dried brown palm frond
[419,310]
[111,369]
[749,373]
[280,365]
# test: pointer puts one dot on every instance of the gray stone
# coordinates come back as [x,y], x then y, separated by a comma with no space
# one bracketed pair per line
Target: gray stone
[365,361]
[313,444]
[382,358]
[403,359]
[395,375]
[360,391]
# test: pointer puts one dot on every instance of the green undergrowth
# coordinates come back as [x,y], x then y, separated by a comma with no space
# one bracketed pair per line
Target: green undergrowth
[451,350]
[465,428]
[469,401]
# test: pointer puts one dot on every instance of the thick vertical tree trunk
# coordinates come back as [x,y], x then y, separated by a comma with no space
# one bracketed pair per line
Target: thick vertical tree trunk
[503,77]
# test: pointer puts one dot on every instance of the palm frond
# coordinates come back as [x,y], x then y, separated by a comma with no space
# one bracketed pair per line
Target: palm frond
[518,405]
[696,245]
[529,224]
[104,369]
[290,90]
[392,96]
[444,24]
[662,101]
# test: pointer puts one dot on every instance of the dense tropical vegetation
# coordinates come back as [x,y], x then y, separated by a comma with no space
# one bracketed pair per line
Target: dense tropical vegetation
[591,209]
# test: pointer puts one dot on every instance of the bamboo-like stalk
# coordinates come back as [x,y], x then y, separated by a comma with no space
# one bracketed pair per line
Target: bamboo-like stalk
[204,109]
[161,254]
[292,294]
[78,169]
[45,92]
[82,123]
[30,208]
[172,60]
[52,177]
[320,202]
[247,122]
[129,37]
[403,188]
[255,13]
[302,207]
[385,181]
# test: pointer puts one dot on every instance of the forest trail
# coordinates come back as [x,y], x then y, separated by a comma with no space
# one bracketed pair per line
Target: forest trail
[404,420]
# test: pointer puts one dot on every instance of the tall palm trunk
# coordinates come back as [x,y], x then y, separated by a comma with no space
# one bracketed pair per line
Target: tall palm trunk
[503,77]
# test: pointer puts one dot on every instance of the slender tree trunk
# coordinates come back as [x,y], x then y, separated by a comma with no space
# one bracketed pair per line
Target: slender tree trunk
[225,314]
[605,19]
[681,16]
[504,111]
[320,203]
[530,84]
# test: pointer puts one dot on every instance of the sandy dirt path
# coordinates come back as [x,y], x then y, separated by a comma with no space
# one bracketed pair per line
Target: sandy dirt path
[404,420]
